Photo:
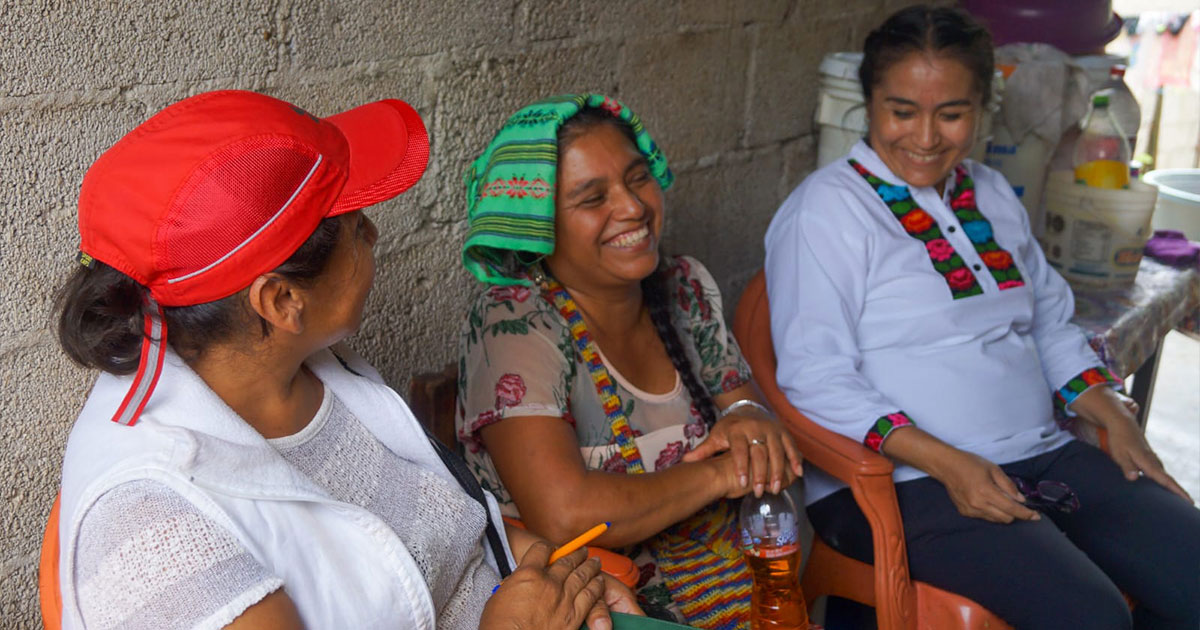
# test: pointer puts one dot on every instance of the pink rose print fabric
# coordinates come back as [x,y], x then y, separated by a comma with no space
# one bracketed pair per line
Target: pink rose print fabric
[669,456]
[510,390]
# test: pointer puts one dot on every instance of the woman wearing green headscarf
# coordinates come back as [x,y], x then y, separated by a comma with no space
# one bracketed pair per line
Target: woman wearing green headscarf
[597,380]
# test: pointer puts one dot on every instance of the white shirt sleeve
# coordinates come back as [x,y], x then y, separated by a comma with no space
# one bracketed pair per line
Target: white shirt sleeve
[817,263]
[147,558]
[1062,346]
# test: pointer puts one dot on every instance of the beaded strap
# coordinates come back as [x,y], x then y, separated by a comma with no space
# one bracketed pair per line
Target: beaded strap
[700,563]
[604,385]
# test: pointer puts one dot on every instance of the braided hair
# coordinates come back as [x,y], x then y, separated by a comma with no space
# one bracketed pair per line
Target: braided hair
[654,292]
[654,286]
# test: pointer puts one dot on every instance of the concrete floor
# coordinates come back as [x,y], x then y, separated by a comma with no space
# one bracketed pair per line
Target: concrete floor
[1173,428]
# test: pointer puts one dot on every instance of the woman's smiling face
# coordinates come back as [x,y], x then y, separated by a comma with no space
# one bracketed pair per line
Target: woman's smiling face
[608,211]
[923,113]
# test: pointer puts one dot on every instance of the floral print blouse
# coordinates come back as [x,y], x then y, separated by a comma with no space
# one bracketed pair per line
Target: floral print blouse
[517,359]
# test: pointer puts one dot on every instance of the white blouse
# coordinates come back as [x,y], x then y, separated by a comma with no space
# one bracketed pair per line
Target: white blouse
[952,319]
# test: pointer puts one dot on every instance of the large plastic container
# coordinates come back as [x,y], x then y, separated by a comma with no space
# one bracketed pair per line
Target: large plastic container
[841,115]
[1094,236]
[1178,206]
[1023,164]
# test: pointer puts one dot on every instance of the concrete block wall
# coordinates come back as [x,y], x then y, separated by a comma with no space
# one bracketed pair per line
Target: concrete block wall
[727,87]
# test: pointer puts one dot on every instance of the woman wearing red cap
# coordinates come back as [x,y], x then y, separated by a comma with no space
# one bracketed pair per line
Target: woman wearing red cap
[234,465]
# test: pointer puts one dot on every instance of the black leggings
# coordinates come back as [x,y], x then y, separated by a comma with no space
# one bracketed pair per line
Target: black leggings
[1065,571]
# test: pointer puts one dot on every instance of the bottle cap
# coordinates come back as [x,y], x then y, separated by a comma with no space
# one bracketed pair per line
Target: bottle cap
[1117,71]
[1100,100]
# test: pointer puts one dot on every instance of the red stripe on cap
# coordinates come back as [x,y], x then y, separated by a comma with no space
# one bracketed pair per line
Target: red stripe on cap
[154,349]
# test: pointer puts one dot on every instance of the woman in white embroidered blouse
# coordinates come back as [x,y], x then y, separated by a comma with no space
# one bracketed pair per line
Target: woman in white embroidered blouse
[913,311]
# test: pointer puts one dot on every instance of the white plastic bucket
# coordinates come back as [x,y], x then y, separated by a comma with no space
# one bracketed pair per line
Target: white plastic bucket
[1023,164]
[842,113]
[1178,206]
[1094,236]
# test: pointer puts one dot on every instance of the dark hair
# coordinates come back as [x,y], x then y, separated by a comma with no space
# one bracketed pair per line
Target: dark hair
[947,31]
[654,286]
[654,292]
[101,310]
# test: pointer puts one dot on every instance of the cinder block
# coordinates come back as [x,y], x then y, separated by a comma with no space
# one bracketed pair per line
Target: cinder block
[62,46]
[785,79]
[334,34]
[689,89]
[625,19]
[417,306]
[542,20]
[719,214]
[733,12]
[707,12]
[765,11]
[849,14]
[40,395]
[46,154]
[799,159]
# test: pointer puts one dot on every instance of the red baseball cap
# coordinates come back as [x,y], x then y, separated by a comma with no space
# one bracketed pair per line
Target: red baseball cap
[219,188]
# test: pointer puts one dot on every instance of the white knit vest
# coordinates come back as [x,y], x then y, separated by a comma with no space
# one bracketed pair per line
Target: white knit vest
[341,565]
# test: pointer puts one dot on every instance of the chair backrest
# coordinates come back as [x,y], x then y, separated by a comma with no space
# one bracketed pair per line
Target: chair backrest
[752,328]
[49,595]
[432,396]
[833,453]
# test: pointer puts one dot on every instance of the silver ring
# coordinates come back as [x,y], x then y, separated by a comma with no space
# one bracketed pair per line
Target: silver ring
[754,441]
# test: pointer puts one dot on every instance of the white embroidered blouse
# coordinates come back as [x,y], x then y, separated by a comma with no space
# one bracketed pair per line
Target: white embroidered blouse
[893,305]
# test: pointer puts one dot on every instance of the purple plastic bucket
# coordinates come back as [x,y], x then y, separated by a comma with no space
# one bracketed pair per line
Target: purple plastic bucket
[1076,27]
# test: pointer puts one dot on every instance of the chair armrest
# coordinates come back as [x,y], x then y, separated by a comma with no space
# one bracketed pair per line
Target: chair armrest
[832,452]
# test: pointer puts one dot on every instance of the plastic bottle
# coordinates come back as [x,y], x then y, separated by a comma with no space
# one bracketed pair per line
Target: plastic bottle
[770,532]
[1124,107]
[1102,155]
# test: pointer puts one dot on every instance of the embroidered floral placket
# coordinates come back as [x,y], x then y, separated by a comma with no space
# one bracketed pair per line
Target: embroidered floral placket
[942,255]
[1067,394]
[979,230]
[883,426]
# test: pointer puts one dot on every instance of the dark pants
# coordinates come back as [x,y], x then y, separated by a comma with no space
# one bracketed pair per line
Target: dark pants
[1065,571]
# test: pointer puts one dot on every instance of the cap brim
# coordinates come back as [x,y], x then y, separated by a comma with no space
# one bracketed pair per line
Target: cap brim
[389,150]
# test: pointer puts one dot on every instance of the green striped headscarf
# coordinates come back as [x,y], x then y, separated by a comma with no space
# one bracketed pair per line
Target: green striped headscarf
[511,186]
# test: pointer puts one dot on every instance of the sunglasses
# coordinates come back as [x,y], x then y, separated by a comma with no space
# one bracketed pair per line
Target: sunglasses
[1047,494]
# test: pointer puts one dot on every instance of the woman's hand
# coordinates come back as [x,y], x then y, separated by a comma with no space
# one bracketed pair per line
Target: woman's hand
[980,489]
[1127,445]
[561,596]
[619,598]
[761,450]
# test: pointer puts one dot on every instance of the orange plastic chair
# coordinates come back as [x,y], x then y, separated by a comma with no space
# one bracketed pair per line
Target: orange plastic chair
[49,595]
[899,602]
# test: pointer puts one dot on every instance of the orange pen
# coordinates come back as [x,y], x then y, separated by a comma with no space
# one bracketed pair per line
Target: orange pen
[581,540]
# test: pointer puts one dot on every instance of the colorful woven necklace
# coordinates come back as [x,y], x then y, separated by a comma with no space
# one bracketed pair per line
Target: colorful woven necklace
[600,378]
[698,558]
